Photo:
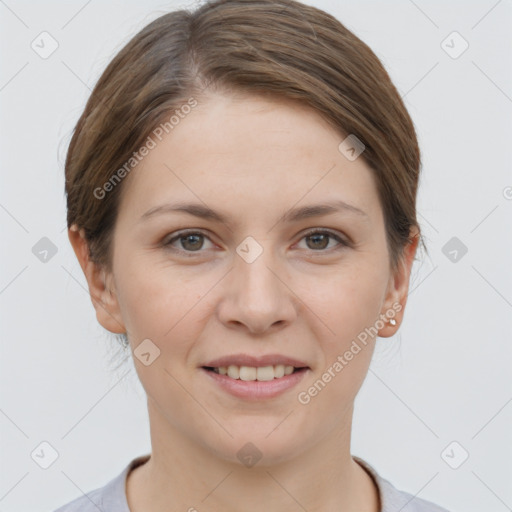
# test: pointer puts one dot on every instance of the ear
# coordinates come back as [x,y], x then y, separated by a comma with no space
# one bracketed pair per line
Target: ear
[398,287]
[103,299]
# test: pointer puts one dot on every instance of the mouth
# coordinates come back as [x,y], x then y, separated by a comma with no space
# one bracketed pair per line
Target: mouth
[255,373]
[255,378]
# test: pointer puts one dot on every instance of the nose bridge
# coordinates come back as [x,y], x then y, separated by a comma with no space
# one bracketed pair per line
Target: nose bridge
[256,298]
[256,279]
[253,257]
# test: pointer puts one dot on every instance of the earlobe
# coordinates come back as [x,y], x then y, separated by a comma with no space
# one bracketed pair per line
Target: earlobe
[398,287]
[103,297]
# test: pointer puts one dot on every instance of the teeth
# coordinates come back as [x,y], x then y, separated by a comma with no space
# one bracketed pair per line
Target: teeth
[251,373]
[288,370]
[248,373]
[265,373]
[279,371]
[233,372]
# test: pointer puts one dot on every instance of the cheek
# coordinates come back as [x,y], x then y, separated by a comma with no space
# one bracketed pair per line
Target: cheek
[161,304]
[166,309]
[351,303]
[348,301]
[347,354]
[349,306]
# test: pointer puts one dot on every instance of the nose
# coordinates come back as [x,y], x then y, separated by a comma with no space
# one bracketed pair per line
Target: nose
[256,297]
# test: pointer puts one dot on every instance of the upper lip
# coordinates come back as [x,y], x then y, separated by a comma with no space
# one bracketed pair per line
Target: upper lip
[255,361]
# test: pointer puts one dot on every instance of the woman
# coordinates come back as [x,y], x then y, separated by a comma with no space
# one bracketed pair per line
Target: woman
[241,196]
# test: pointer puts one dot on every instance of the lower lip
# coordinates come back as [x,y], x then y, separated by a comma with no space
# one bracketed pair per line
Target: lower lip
[256,390]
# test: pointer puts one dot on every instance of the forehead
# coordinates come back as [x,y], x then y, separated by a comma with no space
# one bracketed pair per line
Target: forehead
[251,147]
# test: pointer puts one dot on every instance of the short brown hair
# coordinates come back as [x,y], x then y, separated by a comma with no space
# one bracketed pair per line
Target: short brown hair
[278,47]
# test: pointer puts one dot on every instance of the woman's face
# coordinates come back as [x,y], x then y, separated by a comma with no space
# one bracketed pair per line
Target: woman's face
[284,262]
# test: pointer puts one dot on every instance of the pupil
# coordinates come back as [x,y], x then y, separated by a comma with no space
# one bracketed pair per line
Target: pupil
[196,242]
[322,238]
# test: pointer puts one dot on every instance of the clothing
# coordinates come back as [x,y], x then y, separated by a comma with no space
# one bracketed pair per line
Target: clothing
[112,497]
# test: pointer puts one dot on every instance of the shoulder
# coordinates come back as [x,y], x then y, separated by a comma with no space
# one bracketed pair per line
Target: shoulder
[392,499]
[89,502]
[109,498]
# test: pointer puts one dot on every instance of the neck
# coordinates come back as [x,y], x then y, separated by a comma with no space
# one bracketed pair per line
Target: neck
[183,475]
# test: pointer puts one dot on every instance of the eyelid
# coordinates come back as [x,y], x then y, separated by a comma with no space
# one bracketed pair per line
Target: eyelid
[343,241]
[167,241]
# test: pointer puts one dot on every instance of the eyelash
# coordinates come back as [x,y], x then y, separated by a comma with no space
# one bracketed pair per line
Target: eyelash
[317,231]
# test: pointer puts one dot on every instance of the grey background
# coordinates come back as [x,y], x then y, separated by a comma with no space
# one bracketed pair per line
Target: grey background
[444,378]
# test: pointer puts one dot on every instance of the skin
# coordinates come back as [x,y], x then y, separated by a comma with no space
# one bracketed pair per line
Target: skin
[251,158]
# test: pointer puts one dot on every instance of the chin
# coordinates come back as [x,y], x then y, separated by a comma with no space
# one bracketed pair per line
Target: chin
[258,445]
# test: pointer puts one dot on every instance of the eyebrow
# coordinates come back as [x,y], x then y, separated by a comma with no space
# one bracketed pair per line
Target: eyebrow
[294,215]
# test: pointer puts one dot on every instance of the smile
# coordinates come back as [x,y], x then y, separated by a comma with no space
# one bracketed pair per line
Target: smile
[255,383]
[253,373]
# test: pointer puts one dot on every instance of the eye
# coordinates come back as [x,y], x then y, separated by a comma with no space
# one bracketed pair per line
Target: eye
[188,241]
[191,241]
[319,240]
